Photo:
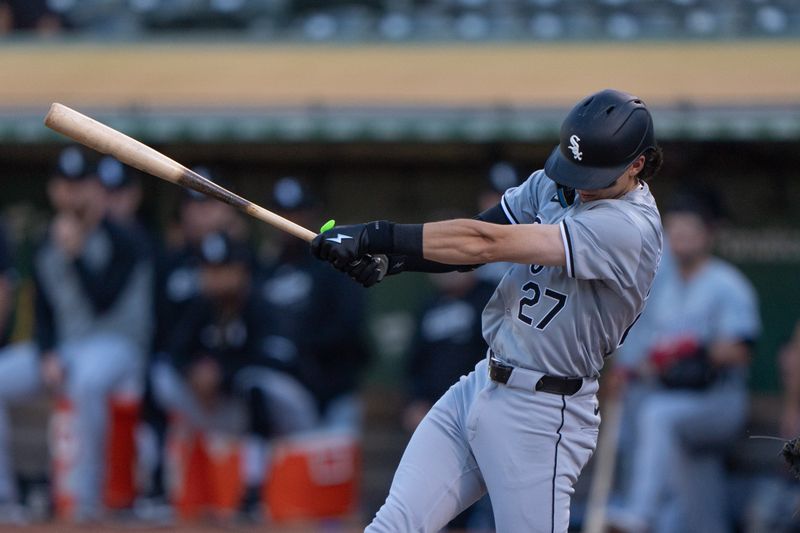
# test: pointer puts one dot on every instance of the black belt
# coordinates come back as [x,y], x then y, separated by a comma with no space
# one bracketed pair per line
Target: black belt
[501,373]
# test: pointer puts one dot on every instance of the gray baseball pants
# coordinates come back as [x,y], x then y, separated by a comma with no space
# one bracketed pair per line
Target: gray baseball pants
[526,448]
[96,366]
[291,406]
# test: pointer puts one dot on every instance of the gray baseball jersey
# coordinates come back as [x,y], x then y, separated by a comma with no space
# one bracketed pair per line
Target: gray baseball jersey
[565,320]
[561,321]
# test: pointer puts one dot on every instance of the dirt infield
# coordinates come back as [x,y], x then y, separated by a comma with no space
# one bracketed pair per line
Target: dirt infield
[269,75]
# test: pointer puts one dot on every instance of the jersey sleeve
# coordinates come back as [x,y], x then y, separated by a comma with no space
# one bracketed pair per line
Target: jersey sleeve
[602,244]
[738,311]
[521,204]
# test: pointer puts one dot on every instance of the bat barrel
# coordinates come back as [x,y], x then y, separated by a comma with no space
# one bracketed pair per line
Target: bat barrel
[107,140]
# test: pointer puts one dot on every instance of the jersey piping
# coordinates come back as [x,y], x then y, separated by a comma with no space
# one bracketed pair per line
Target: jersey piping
[511,218]
[567,249]
[555,467]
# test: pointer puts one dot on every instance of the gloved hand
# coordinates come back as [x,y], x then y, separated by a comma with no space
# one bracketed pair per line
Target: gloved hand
[668,353]
[369,270]
[683,363]
[345,247]
[342,245]
[791,454]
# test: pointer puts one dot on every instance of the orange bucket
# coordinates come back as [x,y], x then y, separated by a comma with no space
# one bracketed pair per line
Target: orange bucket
[204,473]
[312,477]
[120,484]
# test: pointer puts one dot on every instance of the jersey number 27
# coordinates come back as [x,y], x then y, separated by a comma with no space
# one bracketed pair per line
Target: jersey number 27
[560,300]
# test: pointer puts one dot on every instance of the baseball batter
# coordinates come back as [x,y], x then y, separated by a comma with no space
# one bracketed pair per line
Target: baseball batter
[584,235]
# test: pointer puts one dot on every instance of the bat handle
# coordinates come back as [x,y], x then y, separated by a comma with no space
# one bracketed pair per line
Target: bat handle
[279,222]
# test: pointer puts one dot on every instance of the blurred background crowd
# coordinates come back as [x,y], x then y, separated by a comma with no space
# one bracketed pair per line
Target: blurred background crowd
[410,20]
[164,358]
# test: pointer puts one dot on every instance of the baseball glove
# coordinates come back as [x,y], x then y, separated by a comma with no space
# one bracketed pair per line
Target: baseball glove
[791,454]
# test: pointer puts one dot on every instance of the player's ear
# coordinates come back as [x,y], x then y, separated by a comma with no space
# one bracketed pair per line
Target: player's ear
[637,165]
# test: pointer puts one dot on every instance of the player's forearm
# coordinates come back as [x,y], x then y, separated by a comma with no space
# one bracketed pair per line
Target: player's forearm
[412,263]
[729,353]
[468,242]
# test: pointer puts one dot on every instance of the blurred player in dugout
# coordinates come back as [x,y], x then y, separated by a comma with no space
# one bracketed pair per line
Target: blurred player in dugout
[217,373]
[178,276]
[685,363]
[124,197]
[93,323]
[177,284]
[314,313]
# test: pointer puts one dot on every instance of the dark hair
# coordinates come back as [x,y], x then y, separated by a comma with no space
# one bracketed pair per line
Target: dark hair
[653,159]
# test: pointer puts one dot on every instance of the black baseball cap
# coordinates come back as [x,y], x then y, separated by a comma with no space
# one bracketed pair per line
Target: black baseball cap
[704,202]
[113,174]
[220,249]
[290,194]
[74,164]
[602,135]
[502,177]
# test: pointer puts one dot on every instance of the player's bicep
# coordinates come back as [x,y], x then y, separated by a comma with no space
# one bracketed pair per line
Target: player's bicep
[471,242]
[531,244]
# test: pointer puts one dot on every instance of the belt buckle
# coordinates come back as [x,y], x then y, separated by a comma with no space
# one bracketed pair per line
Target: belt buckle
[498,371]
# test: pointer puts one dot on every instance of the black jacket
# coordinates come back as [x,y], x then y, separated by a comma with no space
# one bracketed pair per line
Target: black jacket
[448,342]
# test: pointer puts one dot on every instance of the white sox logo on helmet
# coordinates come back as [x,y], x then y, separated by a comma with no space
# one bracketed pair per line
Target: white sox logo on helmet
[574,148]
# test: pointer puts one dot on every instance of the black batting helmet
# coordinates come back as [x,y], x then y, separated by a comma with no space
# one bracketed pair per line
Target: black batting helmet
[602,135]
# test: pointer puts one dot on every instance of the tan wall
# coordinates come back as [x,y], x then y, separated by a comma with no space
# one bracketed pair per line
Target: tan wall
[268,75]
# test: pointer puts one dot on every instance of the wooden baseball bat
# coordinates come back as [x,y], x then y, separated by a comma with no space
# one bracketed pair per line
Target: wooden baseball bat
[107,140]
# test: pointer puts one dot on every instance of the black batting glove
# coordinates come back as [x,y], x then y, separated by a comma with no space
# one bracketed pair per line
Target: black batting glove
[342,246]
[369,270]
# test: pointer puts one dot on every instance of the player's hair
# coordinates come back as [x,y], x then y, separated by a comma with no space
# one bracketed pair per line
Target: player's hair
[653,158]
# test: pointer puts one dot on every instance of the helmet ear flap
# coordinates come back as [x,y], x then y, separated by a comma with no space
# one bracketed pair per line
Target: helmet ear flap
[566,195]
